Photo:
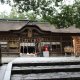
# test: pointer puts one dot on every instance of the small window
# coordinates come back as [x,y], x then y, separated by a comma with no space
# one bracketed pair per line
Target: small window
[53,46]
[58,46]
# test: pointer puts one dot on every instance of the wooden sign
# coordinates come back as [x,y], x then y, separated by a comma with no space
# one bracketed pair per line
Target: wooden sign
[29,33]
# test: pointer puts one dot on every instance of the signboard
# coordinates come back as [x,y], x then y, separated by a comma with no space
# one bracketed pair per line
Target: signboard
[29,33]
[45,53]
[13,44]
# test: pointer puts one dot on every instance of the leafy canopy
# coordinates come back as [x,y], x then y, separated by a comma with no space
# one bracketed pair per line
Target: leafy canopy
[53,11]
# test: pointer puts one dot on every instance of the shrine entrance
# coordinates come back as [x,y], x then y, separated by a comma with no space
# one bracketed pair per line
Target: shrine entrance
[27,47]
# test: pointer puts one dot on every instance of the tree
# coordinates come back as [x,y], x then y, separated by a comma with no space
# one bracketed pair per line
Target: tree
[2,1]
[76,7]
[65,18]
[13,15]
[42,8]
[16,15]
[46,10]
[69,15]
[3,15]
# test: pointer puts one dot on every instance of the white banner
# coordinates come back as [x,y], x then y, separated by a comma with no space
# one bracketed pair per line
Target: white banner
[3,42]
[27,44]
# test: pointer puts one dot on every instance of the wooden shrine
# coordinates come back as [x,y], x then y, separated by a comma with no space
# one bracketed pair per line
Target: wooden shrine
[23,36]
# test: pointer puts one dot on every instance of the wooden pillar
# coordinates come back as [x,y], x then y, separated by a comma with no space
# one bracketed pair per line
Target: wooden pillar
[19,45]
[8,45]
[61,45]
[50,48]
[23,46]
[35,44]
[74,46]
[27,46]
[50,45]
[0,54]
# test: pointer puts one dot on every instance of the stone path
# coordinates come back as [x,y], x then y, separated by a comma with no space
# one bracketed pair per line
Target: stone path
[45,59]
[7,59]
[2,71]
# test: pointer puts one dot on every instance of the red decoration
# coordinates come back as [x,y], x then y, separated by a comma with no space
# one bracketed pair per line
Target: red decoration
[37,40]
[45,48]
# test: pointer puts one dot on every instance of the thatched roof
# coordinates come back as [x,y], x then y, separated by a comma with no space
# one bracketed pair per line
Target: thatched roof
[6,25]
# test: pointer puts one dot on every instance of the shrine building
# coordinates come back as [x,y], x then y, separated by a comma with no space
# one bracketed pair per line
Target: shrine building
[23,36]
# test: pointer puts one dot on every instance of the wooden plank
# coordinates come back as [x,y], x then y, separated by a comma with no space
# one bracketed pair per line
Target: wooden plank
[76,44]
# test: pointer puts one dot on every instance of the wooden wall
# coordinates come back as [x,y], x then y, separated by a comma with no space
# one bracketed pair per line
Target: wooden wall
[76,44]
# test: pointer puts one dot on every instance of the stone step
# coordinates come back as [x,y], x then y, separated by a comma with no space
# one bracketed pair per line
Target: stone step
[45,67]
[45,70]
[48,76]
[47,64]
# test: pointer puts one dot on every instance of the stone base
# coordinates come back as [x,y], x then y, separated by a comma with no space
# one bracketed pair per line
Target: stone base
[27,55]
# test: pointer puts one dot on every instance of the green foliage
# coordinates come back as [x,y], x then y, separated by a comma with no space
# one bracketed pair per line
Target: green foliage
[76,8]
[31,16]
[69,15]
[3,15]
[65,17]
[46,10]
[5,1]
[14,14]
[37,6]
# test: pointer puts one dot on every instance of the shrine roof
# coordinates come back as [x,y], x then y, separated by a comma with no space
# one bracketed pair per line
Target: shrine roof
[7,25]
